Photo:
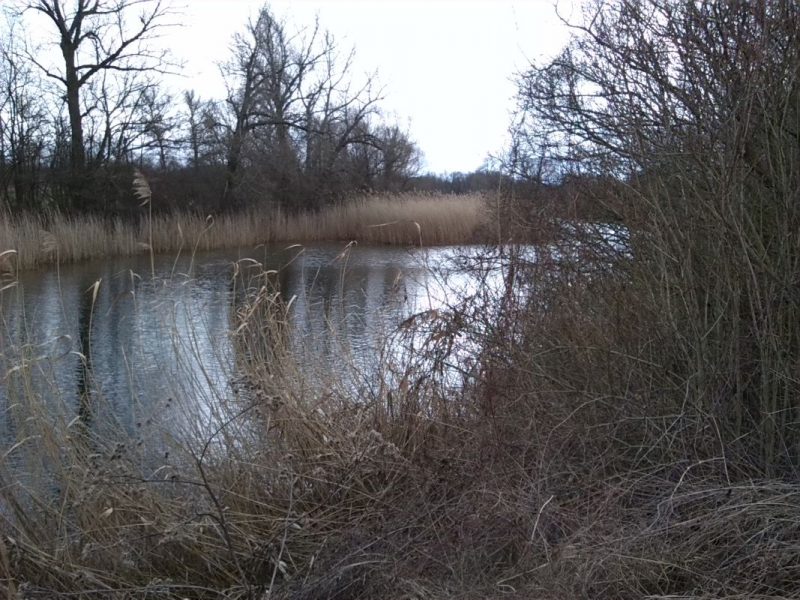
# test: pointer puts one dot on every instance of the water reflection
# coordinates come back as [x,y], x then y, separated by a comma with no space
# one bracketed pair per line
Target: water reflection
[106,343]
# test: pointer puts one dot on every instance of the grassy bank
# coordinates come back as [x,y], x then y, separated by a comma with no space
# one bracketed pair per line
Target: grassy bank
[530,446]
[404,219]
[617,416]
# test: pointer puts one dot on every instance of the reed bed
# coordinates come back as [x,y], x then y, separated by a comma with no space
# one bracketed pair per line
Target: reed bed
[407,219]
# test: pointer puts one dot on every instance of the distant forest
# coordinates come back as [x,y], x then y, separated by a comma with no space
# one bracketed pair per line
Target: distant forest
[296,129]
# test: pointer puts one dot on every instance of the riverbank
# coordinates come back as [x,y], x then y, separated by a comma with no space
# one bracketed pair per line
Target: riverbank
[31,241]
[512,446]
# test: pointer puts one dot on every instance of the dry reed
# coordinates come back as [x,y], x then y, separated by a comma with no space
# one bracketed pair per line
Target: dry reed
[628,430]
[408,219]
[550,469]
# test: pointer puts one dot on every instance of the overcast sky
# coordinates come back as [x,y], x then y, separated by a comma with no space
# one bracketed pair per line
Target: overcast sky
[445,65]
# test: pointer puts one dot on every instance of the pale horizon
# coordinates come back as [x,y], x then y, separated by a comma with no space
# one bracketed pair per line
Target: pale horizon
[445,67]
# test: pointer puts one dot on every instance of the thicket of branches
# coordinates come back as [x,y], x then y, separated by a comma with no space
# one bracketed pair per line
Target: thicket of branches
[686,118]
[79,111]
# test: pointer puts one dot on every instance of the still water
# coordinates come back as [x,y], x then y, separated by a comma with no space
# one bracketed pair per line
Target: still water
[156,336]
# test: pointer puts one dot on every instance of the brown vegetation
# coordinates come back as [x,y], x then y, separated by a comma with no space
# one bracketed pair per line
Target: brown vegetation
[554,462]
[619,419]
[409,219]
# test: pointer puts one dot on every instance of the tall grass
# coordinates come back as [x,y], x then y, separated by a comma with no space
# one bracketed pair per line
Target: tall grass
[625,424]
[292,490]
[528,445]
[400,219]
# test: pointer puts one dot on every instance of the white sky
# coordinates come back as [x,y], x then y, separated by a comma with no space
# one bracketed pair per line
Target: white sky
[445,65]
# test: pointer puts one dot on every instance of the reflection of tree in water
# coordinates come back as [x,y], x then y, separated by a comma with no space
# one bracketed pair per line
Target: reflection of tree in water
[86,416]
[130,352]
[343,310]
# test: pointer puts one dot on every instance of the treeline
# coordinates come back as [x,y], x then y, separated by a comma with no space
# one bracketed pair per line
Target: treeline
[296,128]
[481,180]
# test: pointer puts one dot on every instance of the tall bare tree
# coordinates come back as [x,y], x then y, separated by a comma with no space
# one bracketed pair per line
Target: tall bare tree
[292,91]
[95,37]
[194,108]
[23,126]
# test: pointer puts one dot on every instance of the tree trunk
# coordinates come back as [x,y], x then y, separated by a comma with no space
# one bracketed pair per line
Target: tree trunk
[232,169]
[77,154]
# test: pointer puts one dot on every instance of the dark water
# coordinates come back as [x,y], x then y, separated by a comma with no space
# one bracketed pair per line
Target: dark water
[124,340]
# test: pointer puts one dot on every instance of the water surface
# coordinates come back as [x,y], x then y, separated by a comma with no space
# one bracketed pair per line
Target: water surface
[137,341]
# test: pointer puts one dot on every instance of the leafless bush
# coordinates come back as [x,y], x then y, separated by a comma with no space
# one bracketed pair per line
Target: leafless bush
[690,112]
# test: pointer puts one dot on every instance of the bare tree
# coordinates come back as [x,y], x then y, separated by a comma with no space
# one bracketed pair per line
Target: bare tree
[384,158]
[400,158]
[96,37]
[194,114]
[160,124]
[290,90]
[116,118]
[23,125]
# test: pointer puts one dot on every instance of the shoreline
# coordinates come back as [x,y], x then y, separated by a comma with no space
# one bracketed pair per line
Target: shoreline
[30,242]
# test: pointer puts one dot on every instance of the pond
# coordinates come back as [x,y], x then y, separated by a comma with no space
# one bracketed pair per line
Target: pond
[133,340]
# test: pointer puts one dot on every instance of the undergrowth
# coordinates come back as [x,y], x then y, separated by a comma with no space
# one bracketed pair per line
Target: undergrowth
[531,445]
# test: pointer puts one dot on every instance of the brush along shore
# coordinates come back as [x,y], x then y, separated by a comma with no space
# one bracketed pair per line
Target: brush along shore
[30,241]
[521,448]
